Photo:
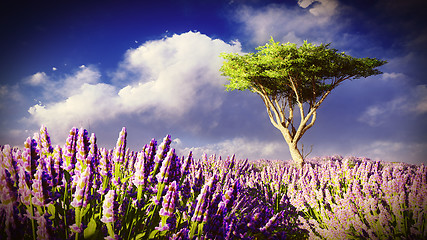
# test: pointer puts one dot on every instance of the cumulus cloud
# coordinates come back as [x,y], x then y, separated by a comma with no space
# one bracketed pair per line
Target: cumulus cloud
[290,24]
[37,79]
[162,78]
[320,8]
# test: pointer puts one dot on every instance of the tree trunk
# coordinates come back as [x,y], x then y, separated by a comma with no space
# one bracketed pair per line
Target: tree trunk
[296,155]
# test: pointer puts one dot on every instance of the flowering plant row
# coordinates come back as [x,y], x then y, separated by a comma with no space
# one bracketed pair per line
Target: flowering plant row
[81,191]
[352,198]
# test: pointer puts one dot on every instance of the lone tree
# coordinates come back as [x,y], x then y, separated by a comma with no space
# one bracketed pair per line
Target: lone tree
[287,76]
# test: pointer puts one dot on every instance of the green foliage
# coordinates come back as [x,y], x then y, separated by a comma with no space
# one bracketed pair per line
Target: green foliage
[313,69]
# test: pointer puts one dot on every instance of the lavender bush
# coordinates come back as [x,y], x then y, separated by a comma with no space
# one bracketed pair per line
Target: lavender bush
[80,191]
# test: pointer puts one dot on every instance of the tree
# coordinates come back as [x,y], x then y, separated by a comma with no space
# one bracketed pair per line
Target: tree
[288,78]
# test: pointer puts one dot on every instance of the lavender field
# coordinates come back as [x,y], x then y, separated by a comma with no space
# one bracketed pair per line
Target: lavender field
[80,191]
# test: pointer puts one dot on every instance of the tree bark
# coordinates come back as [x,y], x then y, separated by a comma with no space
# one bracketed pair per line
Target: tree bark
[296,155]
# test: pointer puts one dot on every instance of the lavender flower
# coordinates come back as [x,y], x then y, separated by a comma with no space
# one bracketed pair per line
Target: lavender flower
[92,156]
[81,187]
[108,207]
[202,201]
[139,178]
[119,151]
[24,184]
[168,208]
[40,186]
[163,149]
[45,145]
[150,152]
[82,148]
[70,150]
[163,175]
[58,171]
[43,226]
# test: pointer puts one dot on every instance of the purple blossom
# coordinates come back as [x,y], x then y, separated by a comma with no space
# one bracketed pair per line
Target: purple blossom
[119,151]
[81,150]
[163,175]
[150,153]
[42,226]
[57,163]
[163,149]
[167,211]
[69,152]
[169,201]
[24,184]
[139,178]
[40,186]
[92,156]
[202,201]
[108,207]
[45,145]
[81,189]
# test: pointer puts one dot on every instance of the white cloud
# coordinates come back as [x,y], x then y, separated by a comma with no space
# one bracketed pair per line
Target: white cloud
[420,105]
[243,148]
[166,79]
[414,102]
[8,93]
[393,75]
[290,24]
[37,79]
[378,114]
[394,151]
[320,8]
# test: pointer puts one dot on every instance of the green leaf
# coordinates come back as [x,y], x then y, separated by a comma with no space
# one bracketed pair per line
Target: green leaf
[153,234]
[91,232]
[51,209]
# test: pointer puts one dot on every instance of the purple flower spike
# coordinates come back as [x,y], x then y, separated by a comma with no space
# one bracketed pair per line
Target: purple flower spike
[163,149]
[39,186]
[108,207]
[26,156]
[169,201]
[185,167]
[103,162]
[163,175]
[57,163]
[181,235]
[82,145]
[139,178]
[150,151]
[92,156]
[8,162]
[42,227]
[82,183]
[45,145]
[168,209]
[202,201]
[24,184]
[119,151]
[7,189]
[70,150]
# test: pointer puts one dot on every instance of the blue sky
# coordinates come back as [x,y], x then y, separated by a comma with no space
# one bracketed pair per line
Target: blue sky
[153,68]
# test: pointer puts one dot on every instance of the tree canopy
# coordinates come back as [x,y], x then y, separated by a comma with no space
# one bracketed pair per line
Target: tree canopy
[285,75]
[314,69]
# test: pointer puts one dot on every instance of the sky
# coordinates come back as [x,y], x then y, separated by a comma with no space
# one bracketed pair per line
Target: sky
[153,67]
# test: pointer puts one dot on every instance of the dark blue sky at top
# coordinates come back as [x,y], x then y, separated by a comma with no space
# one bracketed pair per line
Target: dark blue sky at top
[38,36]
